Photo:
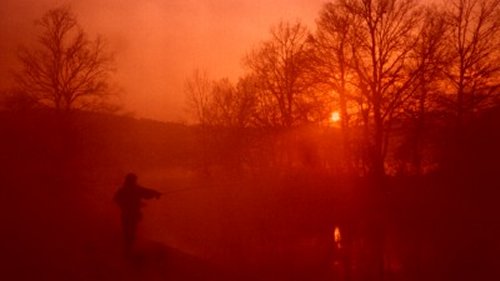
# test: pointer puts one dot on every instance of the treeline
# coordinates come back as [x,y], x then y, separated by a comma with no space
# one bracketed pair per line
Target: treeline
[403,77]
[377,87]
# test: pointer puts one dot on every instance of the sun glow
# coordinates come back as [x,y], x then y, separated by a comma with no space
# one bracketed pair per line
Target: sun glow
[335,117]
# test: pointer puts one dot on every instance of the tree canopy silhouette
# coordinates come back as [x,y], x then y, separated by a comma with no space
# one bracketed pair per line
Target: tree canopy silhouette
[474,55]
[65,69]
[286,94]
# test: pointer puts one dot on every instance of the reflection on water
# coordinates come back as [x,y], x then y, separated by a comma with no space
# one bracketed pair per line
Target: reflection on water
[337,237]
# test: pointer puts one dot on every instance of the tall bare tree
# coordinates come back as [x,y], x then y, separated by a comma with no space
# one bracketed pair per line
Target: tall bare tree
[65,69]
[198,90]
[233,106]
[223,112]
[281,65]
[428,61]
[364,48]
[382,38]
[474,53]
[219,103]
[332,58]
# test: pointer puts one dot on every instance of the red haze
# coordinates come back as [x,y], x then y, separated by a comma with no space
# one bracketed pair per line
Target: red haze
[159,43]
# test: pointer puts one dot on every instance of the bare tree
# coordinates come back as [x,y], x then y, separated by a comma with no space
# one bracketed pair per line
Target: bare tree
[332,58]
[428,61]
[65,69]
[364,47]
[382,38]
[474,53]
[219,103]
[232,106]
[198,90]
[281,66]
[223,112]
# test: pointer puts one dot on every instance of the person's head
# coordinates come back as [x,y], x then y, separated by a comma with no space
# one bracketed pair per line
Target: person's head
[130,179]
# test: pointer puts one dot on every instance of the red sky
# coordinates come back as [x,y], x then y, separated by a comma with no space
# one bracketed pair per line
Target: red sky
[159,43]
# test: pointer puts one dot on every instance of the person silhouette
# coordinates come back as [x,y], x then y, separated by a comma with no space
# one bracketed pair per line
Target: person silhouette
[129,198]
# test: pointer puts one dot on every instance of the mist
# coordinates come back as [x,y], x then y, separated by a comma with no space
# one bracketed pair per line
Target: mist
[157,44]
[248,140]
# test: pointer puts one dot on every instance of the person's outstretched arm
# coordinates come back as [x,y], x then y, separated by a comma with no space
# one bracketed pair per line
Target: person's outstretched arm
[148,193]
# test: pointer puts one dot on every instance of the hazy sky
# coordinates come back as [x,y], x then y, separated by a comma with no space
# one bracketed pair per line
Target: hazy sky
[158,43]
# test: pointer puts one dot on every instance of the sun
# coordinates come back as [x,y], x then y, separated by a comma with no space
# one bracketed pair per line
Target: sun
[335,117]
